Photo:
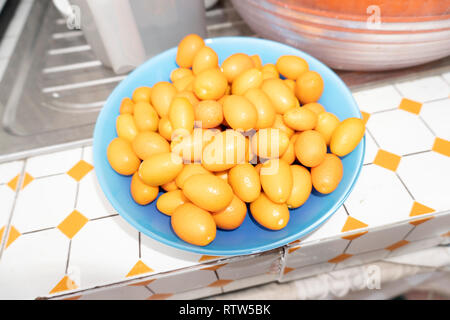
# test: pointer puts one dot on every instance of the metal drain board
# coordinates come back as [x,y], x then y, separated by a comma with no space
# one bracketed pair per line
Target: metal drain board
[54,86]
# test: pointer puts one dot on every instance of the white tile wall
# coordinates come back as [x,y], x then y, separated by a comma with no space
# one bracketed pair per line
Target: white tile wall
[362,259]
[122,293]
[379,239]
[183,282]
[196,294]
[316,253]
[307,271]
[249,267]
[250,282]
[416,246]
[438,225]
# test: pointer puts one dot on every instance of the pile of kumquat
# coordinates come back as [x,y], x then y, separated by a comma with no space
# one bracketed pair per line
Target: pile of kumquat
[218,137]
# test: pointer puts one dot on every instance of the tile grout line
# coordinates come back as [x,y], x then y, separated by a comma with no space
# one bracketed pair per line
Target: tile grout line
[39,230]
[345,208]
[50,175]
[78,182]
[422,102]
[445,80]
[153,292]
[217,276]
[139,244]
[404,238]
[373,138]
[16,195]
[426,125]
[396,108]
[414,153]
[104,217]
[68,257]
[404,185]
[74,208]
[407,234]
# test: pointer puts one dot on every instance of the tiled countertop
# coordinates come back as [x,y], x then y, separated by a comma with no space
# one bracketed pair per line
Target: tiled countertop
[60,236]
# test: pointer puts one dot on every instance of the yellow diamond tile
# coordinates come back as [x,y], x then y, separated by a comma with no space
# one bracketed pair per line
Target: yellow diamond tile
[72,224]
[387,160]
[79,170]
[354,236]
[214,268]
[65,284]
[220,283]
[420,221]
[13,234]
[139,268]
[397,245]
[340,258]
[207,257]
[441,146]
[293,249]
[419,209]
[365,116]
[287,270]
[2,230]
[141,283]
[73,298]
[410,106]
[14,181]
[160,296]
[27,179]
[353,224]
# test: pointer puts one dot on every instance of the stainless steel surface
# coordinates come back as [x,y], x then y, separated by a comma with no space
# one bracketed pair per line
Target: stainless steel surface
[54,86]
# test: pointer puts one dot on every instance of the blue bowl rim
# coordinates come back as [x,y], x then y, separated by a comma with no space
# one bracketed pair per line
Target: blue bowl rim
[97,155]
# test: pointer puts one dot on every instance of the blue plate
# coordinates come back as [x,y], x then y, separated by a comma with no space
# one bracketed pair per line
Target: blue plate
[249,237]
